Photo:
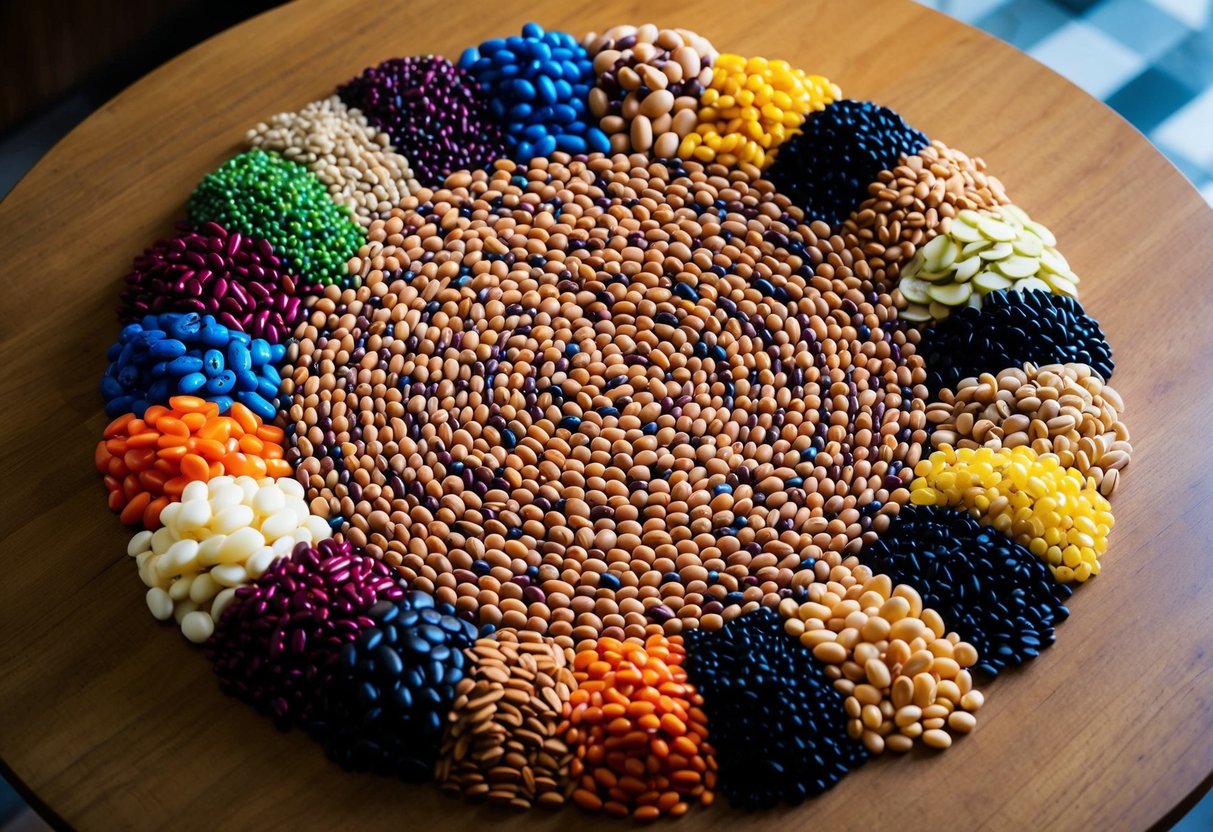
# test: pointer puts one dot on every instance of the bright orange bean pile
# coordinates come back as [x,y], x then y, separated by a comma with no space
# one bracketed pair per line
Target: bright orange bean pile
[638,730]
[148,461]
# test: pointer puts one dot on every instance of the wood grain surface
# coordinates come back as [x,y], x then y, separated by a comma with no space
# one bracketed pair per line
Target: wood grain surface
[112,722]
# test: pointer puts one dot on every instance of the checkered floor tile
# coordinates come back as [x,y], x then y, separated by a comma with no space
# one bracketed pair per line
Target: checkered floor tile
[1150,60]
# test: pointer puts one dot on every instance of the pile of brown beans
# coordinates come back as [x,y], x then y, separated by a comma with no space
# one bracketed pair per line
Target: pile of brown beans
[1063,409]
[911,204]
[503,742]
[354,160]
[649,83]
[613,396]
[904,676]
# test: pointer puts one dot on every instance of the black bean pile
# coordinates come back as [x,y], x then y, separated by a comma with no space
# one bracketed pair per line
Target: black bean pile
[996,594]
[778,724]
[391,691]
[826,168]
[1012,329]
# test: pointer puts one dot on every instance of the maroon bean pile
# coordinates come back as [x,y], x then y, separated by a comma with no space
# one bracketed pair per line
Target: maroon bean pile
[210,270]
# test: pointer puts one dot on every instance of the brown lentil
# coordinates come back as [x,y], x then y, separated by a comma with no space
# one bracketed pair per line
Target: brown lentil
[623,398]
[354,160]
[902,673]
[909,205]
[503,740]
[1063,409]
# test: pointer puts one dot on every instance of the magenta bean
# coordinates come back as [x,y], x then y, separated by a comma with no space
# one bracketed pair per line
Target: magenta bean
[234,277]
[275,644]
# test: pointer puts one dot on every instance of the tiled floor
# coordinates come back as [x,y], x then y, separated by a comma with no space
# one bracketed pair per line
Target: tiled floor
[1151,60]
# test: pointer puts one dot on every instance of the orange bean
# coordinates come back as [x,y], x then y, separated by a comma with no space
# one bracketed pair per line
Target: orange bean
[117,500]
[175,486]
[188,403]
[139,459]
[153,480]
[135,426]
[217,429]
[116,468]
[209,448]
[172,426]
[101,457]
[172,440]
[278,468]
[194,421]
[152,414]
[143,439]
[250,444]
[194,467]
[118,426]
[271,433]
[245,417]
[133,512]
[173,452]
[151,514]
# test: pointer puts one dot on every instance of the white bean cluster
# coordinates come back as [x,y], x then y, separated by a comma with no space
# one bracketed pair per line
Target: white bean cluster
[354,160]
[223,533]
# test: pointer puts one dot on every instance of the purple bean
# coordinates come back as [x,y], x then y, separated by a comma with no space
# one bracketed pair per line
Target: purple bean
[234,277]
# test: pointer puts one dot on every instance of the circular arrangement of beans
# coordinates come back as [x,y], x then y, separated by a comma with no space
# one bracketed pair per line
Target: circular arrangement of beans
[611,389]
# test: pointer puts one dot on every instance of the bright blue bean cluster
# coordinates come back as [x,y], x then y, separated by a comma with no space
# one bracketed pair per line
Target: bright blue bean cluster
[178,353]
[392,688]
[538,85]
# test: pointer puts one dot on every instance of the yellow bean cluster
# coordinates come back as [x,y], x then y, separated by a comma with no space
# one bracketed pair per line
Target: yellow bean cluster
[750,107]
[1053,510]
[905,677]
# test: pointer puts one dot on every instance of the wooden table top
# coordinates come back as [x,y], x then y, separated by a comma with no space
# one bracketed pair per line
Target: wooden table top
[112,722]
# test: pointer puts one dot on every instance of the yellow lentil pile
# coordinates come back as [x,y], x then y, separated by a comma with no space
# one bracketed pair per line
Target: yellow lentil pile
[1053,510]
[750,107]
[1065,409]
[905,677]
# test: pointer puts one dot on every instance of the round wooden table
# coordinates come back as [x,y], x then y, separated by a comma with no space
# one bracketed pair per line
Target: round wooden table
[109,721]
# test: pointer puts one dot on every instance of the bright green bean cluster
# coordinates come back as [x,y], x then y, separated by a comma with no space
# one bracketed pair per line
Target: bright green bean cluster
[264,195]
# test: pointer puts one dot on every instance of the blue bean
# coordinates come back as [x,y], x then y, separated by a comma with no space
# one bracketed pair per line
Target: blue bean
[257,404]
[259,352]
[238,357]
[267,388]
[167,348]
[191,383]
[213,363]
[522,88]
[222,383]
[184,365]
[247,380]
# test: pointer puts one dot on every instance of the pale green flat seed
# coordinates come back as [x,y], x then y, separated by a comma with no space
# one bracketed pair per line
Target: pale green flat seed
[1029,245]
[939,311]
[974,247]
[996,230]
[1014,212]
[1054,262]
[915,313]
[1029,284]
[965,233]
[1040,231]
[969,216]
[965,269]
[1060,285]
[990,282]
[996,252]
[934,277]
[913,289]
[950,253]
[1018,267]
[913,267]
[974,301]
[933,252]
[953,294]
